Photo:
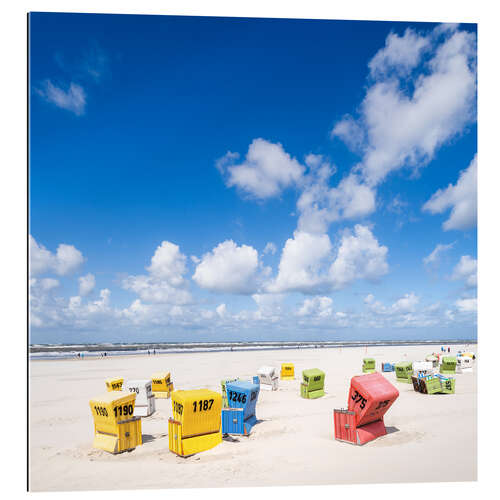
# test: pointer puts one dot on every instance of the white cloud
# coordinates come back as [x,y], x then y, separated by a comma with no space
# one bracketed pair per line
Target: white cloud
[359,257]
[405,128]
[86,284]
[308,265]
[66,260]
[466,270]
[165,283]
[168,264]
[301,263]
[49,284]
[461,198]
[319,205]
[406,304]
[228,268]
[73,99]
[350,132]
[269,306]
[317,306]
[435,255]
[270,248]
[266,171]
[400,54]
[151,289]
[221,310]
[467,305]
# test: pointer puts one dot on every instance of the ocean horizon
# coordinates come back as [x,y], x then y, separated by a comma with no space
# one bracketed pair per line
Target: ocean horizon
[66,351]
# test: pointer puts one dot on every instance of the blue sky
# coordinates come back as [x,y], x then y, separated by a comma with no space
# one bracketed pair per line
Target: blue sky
[245,179]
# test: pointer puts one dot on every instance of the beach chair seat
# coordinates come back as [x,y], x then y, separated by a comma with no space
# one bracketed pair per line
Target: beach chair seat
[114,384]
[404,372]
[368,365]
[287,371]
[144,398]
[196,422]
[116,429]
[239,417]
[268,378]
[313,383]
[370,397]
[448,366]
[162,386]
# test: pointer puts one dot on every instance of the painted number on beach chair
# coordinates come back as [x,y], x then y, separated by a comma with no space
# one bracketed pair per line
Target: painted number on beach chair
[124,410]
[101,411]
[203,405]
[358,398]
[178,408]
[237,397]
[382,404]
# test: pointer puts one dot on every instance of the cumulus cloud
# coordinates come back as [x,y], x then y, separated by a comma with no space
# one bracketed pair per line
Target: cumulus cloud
[221,310]
[308,263]
[266,171]
[168,264]
[460,197]
[467,305]
[405,128]
[270,248]
[302,261]
[229,268]
[350,132]
[72,99]
[466,270]
[65,261]
[400,54]
[406,304]
[86,284]
[319,204]
[435,255]
[359,257]
[164,283]
[317,306]
[49,284]
[151,289]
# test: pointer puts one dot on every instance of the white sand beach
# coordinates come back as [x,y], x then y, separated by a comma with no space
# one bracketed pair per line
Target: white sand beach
[431,437]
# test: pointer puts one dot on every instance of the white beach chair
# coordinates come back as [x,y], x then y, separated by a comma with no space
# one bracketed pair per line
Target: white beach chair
[423,367]
[464,364]
[144,397]
[268,378]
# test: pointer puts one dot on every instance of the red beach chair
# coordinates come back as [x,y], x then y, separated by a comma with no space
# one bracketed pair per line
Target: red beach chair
[370,396]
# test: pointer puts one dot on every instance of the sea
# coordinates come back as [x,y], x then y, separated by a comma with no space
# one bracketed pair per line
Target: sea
[68,351]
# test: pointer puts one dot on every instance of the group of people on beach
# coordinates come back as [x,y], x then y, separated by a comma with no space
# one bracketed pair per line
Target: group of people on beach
[79,355]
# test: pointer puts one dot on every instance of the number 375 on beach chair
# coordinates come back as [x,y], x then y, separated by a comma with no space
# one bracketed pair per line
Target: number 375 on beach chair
[370,396]
[196,422]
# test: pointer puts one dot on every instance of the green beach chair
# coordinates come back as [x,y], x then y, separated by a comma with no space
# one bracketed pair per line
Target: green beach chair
[368,365]
[404,372]
[313,383]
[448,366]
[447,386]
